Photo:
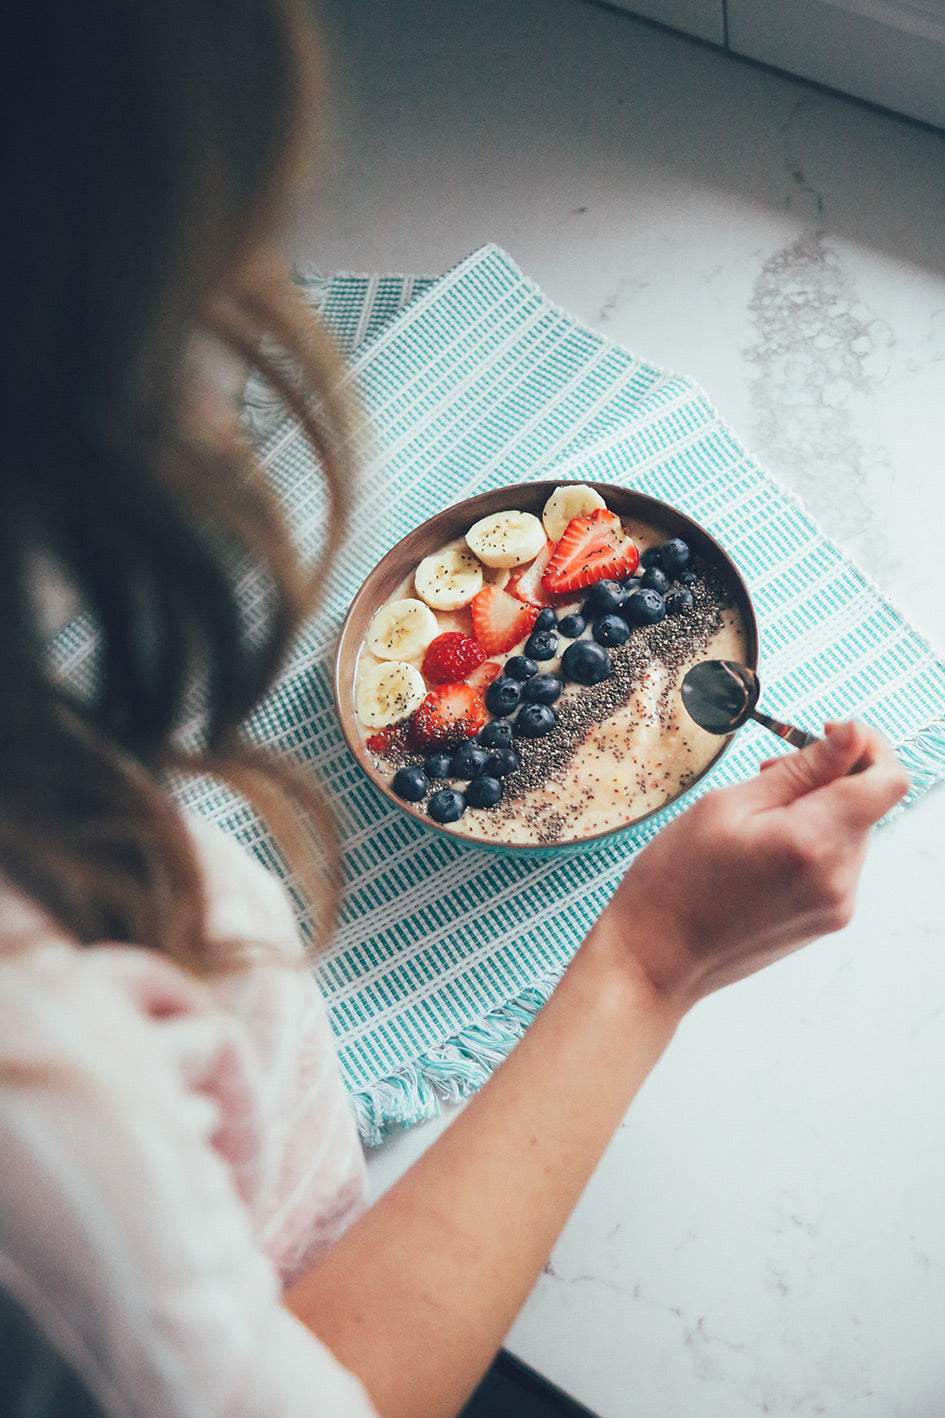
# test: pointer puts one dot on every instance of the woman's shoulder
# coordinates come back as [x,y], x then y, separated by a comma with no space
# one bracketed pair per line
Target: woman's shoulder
[116,1011]
[142,1158]
[129,1221]
[246,906]
[253,1044]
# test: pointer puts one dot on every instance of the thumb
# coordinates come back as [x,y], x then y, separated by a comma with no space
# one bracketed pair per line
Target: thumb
[793,775]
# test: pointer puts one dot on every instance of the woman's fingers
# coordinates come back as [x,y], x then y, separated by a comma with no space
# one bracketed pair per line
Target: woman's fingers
[852,761]
[873,786]
[793,775]
[754,870]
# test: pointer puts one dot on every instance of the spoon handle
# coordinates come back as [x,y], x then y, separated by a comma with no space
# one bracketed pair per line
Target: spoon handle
[798,738]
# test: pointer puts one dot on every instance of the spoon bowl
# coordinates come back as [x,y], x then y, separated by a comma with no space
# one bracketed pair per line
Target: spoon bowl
[721,695]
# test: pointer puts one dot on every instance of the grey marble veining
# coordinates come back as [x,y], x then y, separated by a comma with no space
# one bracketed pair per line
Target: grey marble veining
[818,351]
[766,1234]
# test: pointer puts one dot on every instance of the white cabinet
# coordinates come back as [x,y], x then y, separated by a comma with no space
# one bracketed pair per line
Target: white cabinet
[889,52]
[705,18]
[886,51]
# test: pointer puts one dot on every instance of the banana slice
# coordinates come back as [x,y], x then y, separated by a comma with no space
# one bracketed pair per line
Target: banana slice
[448,579]
[497,576]
[506,538]
[401,630]
[387,693]
[575,500]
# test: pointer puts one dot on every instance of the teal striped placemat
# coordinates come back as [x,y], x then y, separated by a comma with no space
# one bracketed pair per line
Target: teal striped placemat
[444,951]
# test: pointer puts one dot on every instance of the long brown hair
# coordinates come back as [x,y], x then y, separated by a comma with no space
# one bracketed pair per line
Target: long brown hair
[153,151]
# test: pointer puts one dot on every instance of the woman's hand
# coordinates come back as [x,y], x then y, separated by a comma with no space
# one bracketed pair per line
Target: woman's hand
[752,872]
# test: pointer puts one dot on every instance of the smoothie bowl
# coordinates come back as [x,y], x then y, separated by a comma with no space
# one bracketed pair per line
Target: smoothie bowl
[509,672]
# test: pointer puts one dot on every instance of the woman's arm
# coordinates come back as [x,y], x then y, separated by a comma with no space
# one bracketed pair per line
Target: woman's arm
[418,1295]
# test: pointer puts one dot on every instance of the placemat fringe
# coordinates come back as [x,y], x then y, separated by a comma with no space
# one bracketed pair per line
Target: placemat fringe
[923,757]
[454,1070]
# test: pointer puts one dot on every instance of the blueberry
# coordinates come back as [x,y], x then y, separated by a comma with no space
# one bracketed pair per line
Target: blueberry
[655,579]
[483,792]
[533,721]
[645,607]
[678,599]
[651,557]
[497,733]
[631,584]
[411,784]
[447,805]
[603,598]
[586,662]
[544,689]
[438,765]
[674,556]
[520,667]
[546,620]
[468,760]
[501,762]
[542,644]
[571,626]
[611,630]
[503,695]
[687,578]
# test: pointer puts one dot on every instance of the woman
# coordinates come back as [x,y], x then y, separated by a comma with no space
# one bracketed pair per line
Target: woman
[181,1197]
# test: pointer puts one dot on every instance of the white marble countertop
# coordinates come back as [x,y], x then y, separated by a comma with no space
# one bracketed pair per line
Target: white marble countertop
[766,1234]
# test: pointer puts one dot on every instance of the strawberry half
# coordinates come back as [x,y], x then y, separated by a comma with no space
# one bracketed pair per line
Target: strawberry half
[500,620]
[450,657]
[525,582]
[448,714]
[481,679]
[592,548]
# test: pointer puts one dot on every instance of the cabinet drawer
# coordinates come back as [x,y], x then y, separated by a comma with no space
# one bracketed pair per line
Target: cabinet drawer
[705,18]
[889,53]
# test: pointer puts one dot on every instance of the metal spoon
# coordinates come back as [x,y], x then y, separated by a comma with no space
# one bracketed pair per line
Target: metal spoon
[720,695]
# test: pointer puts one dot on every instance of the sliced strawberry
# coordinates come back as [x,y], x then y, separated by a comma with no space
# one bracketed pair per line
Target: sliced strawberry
[382,740]
[525,582]
[500,620]
[592,548]
[481,679]
[448,714]
[452,656]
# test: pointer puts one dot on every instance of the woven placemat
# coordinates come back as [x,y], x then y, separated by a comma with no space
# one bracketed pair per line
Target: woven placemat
[444,951]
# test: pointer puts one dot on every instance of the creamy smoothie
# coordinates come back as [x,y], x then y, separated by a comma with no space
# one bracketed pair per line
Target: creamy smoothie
[522,685]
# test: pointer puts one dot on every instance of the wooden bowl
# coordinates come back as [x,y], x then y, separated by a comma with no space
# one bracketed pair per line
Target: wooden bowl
[453,523]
